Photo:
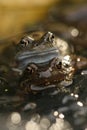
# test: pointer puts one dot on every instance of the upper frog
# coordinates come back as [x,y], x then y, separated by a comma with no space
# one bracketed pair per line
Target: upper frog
[46,60]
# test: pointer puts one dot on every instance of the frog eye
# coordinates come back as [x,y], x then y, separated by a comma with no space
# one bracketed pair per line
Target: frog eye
[26,41]
[49,37]
[59,65]
[31,68]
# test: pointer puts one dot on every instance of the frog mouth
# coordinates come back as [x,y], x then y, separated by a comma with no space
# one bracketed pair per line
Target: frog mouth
[37,57]
[40,88]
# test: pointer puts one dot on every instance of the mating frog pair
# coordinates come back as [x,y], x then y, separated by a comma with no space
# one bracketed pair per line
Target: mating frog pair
[46,61]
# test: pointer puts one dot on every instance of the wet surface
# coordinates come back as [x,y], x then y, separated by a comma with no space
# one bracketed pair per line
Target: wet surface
[56,108]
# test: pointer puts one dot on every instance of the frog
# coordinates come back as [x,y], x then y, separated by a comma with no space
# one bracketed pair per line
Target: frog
[46,61]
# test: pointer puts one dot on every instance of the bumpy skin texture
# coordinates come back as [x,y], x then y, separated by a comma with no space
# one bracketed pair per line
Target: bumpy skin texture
[46,61]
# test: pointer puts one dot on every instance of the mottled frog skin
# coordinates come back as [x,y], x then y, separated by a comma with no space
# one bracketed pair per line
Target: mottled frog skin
[45,61]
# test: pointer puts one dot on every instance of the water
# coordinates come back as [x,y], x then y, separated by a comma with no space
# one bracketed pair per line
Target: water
[63,108]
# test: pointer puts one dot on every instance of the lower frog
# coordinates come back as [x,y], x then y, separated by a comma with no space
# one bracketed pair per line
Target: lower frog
[45,61]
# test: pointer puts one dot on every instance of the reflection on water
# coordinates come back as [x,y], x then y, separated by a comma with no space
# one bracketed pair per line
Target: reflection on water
[15,122]
[70,114]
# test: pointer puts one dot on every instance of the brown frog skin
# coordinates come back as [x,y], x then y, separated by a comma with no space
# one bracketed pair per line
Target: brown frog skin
[46,61]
